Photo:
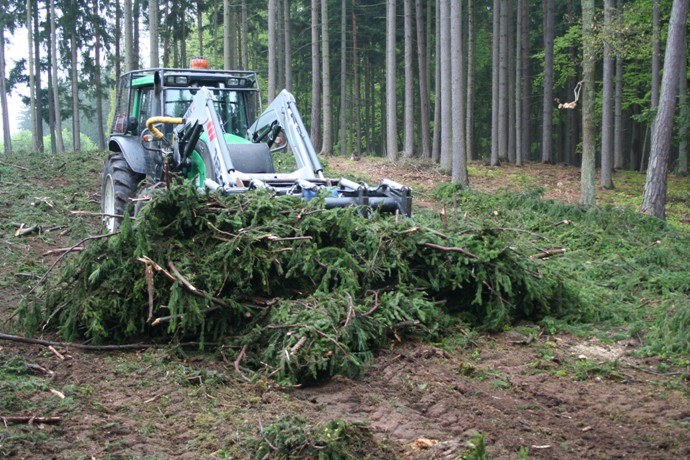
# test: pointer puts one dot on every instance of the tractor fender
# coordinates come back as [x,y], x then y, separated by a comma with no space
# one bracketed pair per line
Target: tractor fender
[132,150]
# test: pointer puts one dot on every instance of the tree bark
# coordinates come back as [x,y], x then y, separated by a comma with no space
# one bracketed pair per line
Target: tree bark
[200,26]
[99,84]
[227,40]
[654,199]
[343,78]
[436,140]
[327,146]
[76,128]
[425,146]
[469,117]
[606,103]
[618,161]
[129,45]
[408,124]
[391,100]
[518,85]
[60,146]
[287,31]
[459,161]
[683,103]
[40,101]
[272,73]
[6,135]
[495,50]
[446,89]
[587,173]
[357,96]
[547,125]
[32,78]
[153,34]
[315,77]
[526,85]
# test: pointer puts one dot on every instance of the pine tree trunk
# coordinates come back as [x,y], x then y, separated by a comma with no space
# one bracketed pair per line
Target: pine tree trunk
[99,84]
[357,154]
[503,83]
[117,33]
[547,126]
[6,135]
[408,129]
[227,40]
[343,78]
[327,146]
[512,103]
[654,199]
[425,147]
[587,175]
[32,78]
[683,103]
[59,146]
[656,52]
[526,84]
[76,128]
[494,81]
[200,26]
[272,71]
[446,88]
[136,13]
[436,141]
[391,100]
[129,45]
[315,77]
[153,34]
[245,36]
[607,102]
[287,32]
[459,160]
[40,100]
[469,117]
[518,85]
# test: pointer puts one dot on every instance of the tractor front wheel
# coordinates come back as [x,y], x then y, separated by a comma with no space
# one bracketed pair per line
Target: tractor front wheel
[119,187]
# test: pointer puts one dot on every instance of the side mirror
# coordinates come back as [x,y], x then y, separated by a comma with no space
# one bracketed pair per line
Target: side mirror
[132,124]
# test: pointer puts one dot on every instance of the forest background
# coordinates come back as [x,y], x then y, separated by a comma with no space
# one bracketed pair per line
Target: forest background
[519,81]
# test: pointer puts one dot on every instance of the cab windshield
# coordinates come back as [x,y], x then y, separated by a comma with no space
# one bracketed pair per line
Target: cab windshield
[229,105]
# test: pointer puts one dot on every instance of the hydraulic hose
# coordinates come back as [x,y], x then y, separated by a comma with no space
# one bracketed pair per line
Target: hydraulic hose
[169,120]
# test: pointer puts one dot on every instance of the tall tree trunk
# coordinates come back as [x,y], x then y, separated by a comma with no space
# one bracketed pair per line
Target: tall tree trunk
[618,162]
[391,100]
[526,85]
[587,175]
[227,39]
[654,199]
[436,141]
[315,77]
[288,44]
[495,51]
[153,34]
[446,89]
[99,84]
[459,161]
[130,63]
[518,85]
[60,145]
[32,78]
[469,117]
[512,103]
[425,147]
[6,135]
[76,128]
[546,140]
[343,77]
[136,14]
[117,39]
[51,100]
[245,36]
[503,82]
[408,130]
[656,52]
[40,100]
[272,64]
[327,146]
[357,154]
[683,103]
[607,102]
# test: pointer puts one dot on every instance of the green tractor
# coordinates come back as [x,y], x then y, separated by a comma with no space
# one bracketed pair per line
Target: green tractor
[203,125]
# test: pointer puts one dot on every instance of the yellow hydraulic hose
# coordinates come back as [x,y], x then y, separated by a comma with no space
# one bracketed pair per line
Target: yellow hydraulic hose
[169,120]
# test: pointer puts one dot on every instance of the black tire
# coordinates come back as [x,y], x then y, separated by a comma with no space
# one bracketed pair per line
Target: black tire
[119,186]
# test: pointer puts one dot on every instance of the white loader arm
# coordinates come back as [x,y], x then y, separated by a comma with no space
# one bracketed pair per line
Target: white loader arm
[282,114]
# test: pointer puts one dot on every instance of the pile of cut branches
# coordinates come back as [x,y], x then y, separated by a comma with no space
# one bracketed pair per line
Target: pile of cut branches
[298,292]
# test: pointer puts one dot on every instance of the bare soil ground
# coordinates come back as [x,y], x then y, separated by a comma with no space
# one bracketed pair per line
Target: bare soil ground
[530,394]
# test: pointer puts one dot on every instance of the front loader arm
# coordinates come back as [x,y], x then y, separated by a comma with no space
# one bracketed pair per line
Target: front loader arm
[282,114]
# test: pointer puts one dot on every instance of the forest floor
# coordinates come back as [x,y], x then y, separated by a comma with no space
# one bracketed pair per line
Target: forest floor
[530,394]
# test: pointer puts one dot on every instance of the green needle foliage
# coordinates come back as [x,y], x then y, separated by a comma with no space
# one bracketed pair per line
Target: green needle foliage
[303,291]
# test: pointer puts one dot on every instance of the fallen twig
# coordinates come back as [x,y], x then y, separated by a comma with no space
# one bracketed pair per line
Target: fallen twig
[237,362]
[449,249]
[548,253]
[47,372]
[30,420]
[193,289]
[62,250]
[81,346]
[166,319]
[430,230]
[56,353]
[99,214]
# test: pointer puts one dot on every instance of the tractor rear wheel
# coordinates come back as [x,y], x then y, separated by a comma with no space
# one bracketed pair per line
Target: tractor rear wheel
[119,187]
